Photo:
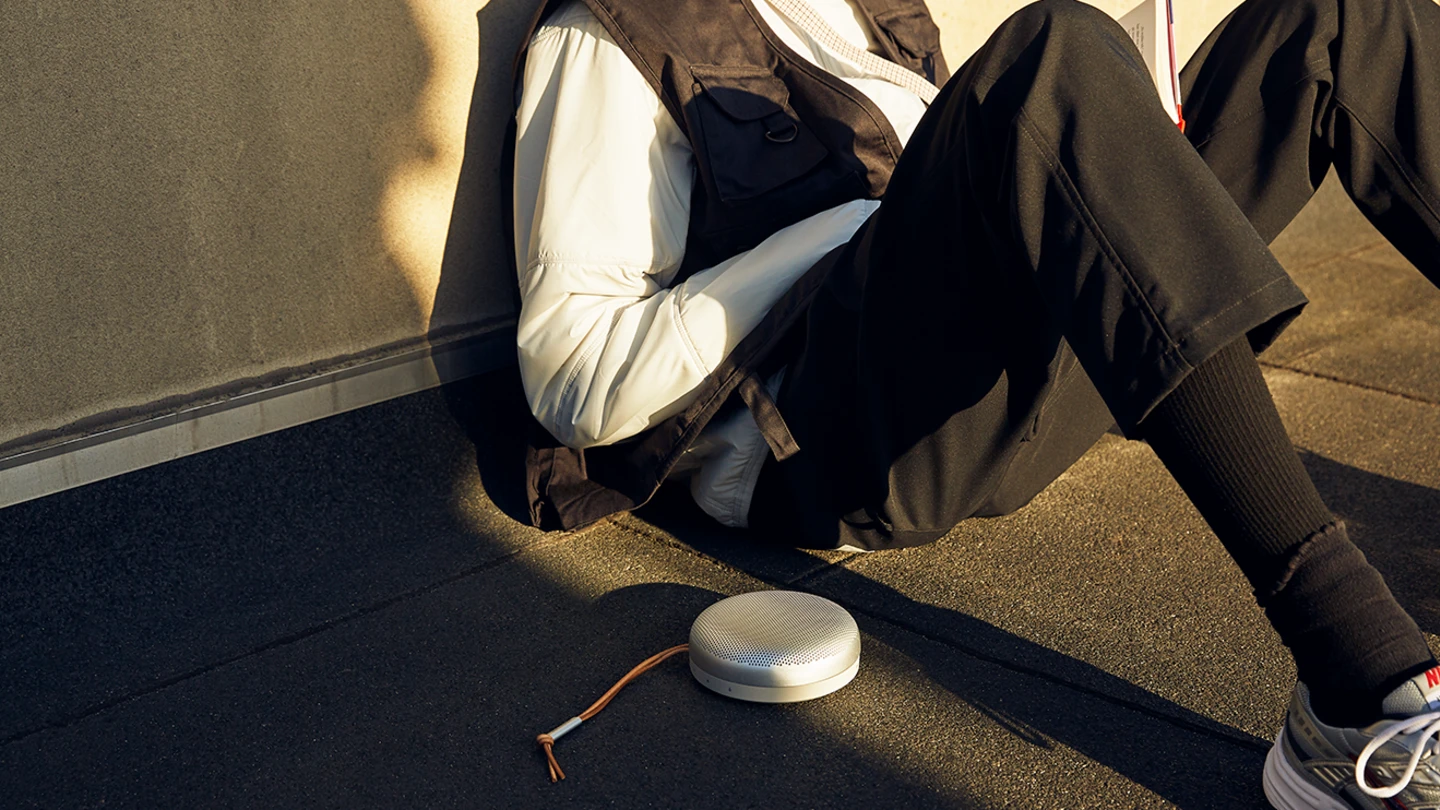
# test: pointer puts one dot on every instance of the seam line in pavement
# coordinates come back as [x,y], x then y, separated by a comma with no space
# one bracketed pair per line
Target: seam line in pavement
[70,718]
[1246,741]
[1320,375]
[1334,257]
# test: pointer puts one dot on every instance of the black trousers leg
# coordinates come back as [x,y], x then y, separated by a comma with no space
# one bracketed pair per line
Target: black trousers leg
[1046,220]
[1281,91]
[1051,252]
[1357,86]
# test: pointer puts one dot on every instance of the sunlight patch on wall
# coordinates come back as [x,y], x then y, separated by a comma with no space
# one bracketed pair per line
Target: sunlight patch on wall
[416,206]
[964,26]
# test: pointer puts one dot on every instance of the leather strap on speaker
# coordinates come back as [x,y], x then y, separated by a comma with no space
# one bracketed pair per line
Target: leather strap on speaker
[547,741]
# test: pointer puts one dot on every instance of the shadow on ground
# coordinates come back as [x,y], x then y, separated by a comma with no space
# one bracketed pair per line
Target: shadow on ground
[340,615]
[495,417]
[1393,522]
[335,616]
[1107,734]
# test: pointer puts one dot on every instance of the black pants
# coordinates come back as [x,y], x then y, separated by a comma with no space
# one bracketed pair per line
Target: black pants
[1053,256]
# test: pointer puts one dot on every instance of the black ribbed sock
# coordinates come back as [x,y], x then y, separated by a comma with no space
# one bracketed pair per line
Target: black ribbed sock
[1352,642]
[1221,437]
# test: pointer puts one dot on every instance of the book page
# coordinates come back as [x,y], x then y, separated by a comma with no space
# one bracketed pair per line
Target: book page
[1148,24]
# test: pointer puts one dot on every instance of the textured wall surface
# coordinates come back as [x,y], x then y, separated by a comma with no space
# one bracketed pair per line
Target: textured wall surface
[965,25]
[197,194]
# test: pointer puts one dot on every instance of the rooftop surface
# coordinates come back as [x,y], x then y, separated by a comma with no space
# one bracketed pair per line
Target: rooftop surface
[349,614]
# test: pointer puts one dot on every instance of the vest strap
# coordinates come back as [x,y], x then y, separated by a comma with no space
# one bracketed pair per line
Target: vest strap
[767,416]
[804,15]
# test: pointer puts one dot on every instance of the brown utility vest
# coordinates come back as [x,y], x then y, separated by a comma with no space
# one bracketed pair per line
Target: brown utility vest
[776,139]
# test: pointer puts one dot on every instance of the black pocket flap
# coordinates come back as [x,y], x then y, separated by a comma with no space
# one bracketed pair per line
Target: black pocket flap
[912,30]
[743,93]
[751,138]
[914,41]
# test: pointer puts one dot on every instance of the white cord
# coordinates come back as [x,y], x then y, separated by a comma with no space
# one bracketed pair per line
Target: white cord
[1428,723]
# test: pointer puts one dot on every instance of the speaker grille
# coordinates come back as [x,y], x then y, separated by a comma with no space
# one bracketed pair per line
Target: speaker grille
[775,629]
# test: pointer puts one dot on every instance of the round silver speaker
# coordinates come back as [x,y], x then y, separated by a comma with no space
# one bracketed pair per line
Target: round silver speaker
[774,647]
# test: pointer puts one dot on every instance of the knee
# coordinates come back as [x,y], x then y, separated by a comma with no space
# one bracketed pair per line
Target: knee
[1065,28]
[1061,17]
[1063,41]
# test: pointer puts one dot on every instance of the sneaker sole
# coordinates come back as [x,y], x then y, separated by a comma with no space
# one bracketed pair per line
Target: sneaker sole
[1287,789]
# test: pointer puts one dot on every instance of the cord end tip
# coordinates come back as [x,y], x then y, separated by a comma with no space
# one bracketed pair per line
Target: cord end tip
[547,743]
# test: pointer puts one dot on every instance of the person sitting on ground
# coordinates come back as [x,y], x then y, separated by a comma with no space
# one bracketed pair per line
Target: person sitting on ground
[771,246]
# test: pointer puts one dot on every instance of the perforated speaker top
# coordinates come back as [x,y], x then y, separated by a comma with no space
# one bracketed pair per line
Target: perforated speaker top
[774,646]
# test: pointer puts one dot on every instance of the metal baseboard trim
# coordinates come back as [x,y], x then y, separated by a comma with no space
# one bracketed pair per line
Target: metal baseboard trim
[36,473]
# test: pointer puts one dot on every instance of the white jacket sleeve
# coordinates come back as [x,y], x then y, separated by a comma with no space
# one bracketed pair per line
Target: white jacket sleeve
[603,177]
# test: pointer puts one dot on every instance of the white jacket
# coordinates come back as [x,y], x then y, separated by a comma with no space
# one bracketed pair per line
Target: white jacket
[603,176]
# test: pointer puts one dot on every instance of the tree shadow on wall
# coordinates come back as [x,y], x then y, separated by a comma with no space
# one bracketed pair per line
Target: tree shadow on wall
[476,290]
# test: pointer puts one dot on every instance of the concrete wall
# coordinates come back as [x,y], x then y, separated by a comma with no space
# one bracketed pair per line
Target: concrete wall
[197,198]
[965,25]
[200,197]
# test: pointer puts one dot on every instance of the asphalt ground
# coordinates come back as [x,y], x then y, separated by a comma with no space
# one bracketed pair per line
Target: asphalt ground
[354,614]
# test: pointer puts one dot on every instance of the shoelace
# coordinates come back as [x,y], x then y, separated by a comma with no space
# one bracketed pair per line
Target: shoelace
[1426,722]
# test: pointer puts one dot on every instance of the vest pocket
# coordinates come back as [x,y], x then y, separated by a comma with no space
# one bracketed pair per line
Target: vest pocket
[916,42]
[752,141]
